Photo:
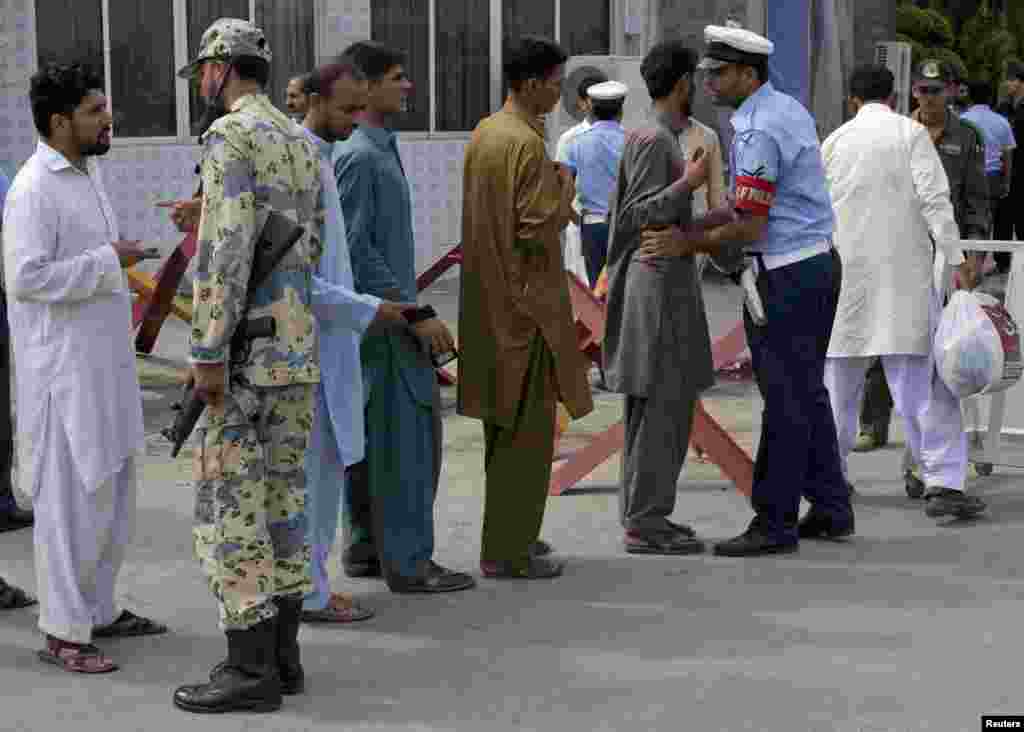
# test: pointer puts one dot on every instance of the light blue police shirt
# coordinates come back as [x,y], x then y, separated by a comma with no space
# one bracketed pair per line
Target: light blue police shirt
[776,171]
[594,155]
[997,132]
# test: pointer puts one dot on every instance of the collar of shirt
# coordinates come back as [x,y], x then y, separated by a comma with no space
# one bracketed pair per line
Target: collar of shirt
[979,108]
[322,145]
[382,137]
[535,123]
[742,116]
[669,121]
[606,124]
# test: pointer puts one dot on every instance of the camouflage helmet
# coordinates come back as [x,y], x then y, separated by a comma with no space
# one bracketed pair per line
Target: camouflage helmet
[226,39]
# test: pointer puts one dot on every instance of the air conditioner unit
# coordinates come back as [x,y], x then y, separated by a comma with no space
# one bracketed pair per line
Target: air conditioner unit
[897,57]
[617,68]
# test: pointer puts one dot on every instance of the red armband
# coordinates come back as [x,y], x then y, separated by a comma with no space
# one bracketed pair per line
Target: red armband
[754,195]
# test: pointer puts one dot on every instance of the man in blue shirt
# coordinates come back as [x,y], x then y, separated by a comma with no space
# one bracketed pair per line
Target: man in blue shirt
[11,516]
[785,226]
[390,495]
[336,92]
[999,140]
[594,156]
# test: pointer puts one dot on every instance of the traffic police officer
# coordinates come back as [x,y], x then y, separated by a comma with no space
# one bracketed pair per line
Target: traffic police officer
[784,224]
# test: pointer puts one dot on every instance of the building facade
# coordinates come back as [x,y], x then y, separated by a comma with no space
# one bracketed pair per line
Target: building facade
[454,49]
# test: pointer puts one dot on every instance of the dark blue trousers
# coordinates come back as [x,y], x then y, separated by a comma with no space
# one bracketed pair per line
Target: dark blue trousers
[798,454]
[594,238]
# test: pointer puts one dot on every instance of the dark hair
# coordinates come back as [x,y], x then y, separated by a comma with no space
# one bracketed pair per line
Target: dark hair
[981,91]
[608,110]
[587,82]
[321,80]
[304,81]
[1015,70]
[664,65]
[531,57]
[59,89]
[372,58]
[872,83]
[761,69]
[252,68]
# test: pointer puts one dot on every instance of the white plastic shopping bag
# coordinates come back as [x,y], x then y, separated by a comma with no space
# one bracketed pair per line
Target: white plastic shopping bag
[977,346]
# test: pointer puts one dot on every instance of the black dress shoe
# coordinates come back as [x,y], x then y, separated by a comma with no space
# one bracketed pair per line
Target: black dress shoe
[818,526]
[357,564]
[18,518]
[540,548]
[752,543]
[434,578]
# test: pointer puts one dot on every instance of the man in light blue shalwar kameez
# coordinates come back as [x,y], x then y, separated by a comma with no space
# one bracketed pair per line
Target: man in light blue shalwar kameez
[338,437]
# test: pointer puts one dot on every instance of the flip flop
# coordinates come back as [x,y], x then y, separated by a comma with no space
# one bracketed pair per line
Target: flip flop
[13,598]
[129,625]
[77,658]
[340,609]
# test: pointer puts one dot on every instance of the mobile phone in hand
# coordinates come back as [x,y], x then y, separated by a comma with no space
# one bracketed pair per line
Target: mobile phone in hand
[443,359]
[150,253]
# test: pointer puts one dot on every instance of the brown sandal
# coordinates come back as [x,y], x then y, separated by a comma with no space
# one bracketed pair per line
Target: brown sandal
[340,609]
[80,658]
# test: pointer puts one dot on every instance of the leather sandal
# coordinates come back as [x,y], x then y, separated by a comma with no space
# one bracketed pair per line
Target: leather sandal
[79,658]
[340,609]
[129,625]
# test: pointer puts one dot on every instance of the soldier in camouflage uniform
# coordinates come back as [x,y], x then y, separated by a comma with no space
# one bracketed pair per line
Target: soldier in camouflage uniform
[250,485]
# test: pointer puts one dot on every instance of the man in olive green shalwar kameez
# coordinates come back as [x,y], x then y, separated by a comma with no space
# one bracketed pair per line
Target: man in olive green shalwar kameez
[518,341]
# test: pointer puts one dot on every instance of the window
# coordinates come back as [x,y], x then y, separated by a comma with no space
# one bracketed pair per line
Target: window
[122,40]
[455,39]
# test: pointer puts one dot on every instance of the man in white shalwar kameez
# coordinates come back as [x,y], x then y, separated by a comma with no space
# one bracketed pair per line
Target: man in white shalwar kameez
[80,408]
[891,198]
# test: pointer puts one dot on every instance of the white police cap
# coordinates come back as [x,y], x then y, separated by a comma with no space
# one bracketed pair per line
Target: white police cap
[727,45]
[608,91]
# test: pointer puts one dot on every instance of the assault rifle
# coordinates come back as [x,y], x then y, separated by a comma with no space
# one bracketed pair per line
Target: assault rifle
[279,235]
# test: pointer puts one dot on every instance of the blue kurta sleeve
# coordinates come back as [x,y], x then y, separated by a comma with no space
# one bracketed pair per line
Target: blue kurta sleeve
[340,306]
[357,190]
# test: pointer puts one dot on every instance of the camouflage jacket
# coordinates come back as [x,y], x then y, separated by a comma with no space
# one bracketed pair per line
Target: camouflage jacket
[256,159]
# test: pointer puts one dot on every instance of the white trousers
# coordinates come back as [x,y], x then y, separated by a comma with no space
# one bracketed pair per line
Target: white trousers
[931,414]
[80,541]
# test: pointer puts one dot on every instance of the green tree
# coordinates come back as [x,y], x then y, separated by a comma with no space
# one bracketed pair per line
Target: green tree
[986,44]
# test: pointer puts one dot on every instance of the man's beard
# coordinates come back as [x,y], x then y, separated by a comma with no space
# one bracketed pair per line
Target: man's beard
[95,148]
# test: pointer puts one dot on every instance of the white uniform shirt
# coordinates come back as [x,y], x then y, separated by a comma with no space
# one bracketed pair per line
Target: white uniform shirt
[70,319]
[891,196]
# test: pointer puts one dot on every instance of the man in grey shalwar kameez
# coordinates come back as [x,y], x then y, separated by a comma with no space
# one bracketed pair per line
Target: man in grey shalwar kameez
[657,350]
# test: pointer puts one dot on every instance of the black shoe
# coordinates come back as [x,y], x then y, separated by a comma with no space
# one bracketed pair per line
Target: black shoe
[752,543]
[247,682]
[532,569]
[946,502]
[356,562]
[675,542]
[433,578]
[817,526]
[289,666]
[540,548]
[17,518]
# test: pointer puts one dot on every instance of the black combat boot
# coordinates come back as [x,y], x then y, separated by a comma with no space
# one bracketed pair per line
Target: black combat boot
[247,682]
[289,615]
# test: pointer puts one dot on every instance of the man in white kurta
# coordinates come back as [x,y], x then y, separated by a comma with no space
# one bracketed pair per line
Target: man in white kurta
[78,398]
[891,198]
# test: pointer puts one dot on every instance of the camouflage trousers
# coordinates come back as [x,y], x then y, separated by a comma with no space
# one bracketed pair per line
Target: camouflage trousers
[250,532]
